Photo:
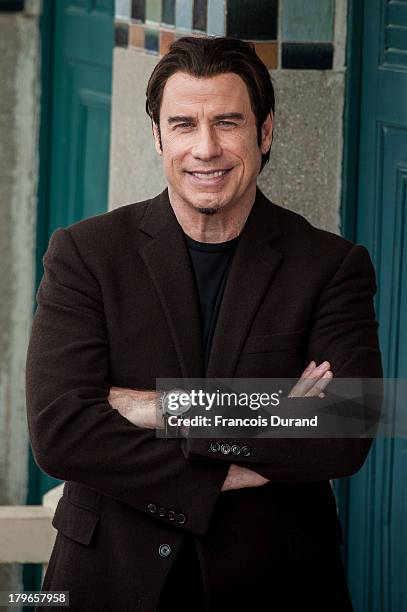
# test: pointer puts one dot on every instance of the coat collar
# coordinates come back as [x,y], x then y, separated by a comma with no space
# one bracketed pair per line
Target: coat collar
[254,264]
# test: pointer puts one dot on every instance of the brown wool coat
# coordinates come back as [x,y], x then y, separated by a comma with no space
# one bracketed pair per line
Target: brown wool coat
[117,307]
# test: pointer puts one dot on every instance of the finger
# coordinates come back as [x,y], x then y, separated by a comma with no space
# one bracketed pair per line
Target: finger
[310,367]
[320,370]
[305,384]
[320,384]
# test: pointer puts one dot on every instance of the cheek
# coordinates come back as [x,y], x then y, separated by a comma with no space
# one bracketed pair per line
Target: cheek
[246,148]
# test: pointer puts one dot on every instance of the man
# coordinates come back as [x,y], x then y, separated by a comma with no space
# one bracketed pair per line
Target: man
[207,279]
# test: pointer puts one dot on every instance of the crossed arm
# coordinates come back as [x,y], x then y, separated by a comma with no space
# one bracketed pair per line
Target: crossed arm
[139,407]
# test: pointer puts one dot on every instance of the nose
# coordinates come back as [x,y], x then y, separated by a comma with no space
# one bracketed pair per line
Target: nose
[207,144]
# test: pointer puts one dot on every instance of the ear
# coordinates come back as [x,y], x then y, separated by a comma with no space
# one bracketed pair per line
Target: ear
[267,133]
[154,127]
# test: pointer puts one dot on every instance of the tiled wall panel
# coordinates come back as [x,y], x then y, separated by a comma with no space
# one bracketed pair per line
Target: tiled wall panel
[288,34]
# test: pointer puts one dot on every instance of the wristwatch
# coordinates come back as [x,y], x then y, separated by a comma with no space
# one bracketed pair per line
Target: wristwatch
[171,407]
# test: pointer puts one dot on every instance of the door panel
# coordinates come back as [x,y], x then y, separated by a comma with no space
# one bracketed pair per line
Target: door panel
[77,48]
[377,495]
[81,103]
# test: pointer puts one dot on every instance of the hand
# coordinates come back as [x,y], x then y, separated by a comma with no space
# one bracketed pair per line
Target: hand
[313,380]
[240,477]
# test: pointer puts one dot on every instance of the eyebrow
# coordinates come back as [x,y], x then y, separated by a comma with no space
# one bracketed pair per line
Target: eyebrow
[177,118]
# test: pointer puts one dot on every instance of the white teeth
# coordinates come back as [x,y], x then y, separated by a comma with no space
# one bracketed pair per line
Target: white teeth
[210,174]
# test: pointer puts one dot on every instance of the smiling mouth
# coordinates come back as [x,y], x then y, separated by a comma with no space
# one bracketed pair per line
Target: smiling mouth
[210,174]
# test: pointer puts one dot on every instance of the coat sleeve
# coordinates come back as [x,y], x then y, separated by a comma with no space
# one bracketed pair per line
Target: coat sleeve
[75,433]
[344,332]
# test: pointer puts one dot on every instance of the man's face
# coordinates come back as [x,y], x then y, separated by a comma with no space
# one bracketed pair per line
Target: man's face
[196,136]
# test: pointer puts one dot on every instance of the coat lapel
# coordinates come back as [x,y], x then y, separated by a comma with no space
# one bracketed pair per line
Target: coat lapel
[167,260]
[253,266]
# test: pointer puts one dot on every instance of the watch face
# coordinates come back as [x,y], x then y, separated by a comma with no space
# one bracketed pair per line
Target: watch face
[176,401]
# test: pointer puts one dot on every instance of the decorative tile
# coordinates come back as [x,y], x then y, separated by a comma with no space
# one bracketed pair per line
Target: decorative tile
[267,52]
[307,56]
[123,9]
[311,20]
[252,19]
[166,38]
[138,10]
[199,15]
[153,11]
[151,40]
[183,14]
[136,36]
[11,6]
[168,12]
[121,34]
[216,25]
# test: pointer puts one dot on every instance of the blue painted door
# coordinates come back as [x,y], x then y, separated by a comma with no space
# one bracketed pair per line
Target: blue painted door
[80,125]
[377,495]
[77,38]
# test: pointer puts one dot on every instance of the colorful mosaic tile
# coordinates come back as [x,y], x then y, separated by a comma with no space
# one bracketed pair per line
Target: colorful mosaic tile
[183,14]
[252,19]
[153,11]
[168,12]
[268,53]
[307,56]
[121,34]
[311,20]
[11,6]
[199,15]
[166,38]
[136,36]
[304,40]
[123,8]
[216,18]
[138,10]
[151,40]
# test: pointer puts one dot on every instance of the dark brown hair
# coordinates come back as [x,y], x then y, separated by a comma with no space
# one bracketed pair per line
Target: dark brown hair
[206,57]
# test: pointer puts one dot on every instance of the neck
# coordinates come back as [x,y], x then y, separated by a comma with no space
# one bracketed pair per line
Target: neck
[226,223]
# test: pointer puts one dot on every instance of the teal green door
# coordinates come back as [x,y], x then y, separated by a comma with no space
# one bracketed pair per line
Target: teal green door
[81,109]
[77,38]
[377,495]
[77,49]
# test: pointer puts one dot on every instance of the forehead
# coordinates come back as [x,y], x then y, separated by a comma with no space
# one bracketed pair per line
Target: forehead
[183,92]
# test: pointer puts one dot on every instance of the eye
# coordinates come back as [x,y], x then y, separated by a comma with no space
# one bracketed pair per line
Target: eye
[188,124]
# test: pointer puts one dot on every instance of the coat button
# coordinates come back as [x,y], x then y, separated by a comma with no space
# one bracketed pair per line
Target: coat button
[235,449]
[215,447]
[225,449]
[152,508]
[162,511]
[181,519]
[246,451]
[171,515]
[164,550]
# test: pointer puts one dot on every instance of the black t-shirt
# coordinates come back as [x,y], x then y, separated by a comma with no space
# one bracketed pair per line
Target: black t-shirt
[211,263]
